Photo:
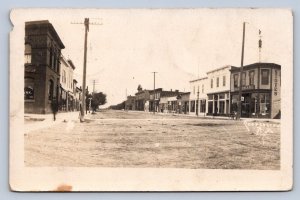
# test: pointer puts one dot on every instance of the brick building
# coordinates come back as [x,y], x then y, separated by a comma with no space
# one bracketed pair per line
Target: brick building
[42,66]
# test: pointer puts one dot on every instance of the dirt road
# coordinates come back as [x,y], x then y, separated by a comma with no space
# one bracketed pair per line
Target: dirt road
[138,139]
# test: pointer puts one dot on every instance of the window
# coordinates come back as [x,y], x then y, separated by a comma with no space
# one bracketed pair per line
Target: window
[64,76]
[264,76]
[50,90]
[202,88]
[202,106]
[192,106]
[243,78]
[211,83]
[28,53]
[264,107]
[251,78]
[224,80]
[236,80]
[50,57]
[29,89]
[217,81]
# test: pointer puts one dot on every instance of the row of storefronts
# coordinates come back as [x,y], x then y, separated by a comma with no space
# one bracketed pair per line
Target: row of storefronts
[217,94]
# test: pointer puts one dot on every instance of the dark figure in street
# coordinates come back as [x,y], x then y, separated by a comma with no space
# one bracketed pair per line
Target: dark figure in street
[54,108]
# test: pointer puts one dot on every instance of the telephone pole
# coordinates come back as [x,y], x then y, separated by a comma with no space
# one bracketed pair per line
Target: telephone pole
[239,113]
[86,25]
[154,104]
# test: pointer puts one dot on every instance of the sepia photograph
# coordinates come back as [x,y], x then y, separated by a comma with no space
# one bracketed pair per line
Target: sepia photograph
[151,99]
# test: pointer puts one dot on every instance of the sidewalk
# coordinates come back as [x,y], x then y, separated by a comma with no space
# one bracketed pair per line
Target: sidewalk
[215,117]
[40,121]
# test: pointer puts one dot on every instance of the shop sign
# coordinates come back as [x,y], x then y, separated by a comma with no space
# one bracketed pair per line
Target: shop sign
[275,84]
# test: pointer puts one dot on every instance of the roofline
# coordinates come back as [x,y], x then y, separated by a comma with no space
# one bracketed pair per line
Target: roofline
[256,64]
[218,69]
[52,29]
[199,79]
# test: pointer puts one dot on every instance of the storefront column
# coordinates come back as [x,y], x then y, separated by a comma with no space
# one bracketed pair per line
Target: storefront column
[213,110]
[67,101]
[218,104]
[225,106]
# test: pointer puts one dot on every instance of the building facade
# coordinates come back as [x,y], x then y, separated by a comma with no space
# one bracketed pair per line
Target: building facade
[42,66]
[198,97]
[130,103]
[218,91]
[66,92]
[261,90]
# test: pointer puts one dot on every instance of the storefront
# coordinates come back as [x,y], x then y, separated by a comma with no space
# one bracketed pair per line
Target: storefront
[253,104]
[218,104]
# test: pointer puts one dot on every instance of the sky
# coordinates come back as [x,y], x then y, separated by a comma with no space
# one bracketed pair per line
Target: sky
[179,44]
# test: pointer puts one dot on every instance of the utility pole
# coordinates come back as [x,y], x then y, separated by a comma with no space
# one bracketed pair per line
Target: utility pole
[86,25]
[239,113]
[154,104]
[259,45]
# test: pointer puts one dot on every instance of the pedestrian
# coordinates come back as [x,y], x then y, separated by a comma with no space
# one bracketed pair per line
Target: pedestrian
[54,107]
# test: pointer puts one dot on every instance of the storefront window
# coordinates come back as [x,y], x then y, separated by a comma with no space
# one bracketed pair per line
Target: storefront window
[192,106]
[210,107]
[202,106]
[221,107]
[29,89]
[221,96]
[264,104]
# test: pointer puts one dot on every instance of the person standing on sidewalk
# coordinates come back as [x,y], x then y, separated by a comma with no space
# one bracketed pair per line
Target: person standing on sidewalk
[54,107]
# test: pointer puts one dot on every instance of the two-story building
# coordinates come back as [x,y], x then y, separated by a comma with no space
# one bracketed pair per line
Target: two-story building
[218,91]
[261,86]
[42,66]
[198,97]
[66,96]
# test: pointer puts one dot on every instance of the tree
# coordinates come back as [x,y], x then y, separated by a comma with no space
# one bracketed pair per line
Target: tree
[139,87]
[98,99]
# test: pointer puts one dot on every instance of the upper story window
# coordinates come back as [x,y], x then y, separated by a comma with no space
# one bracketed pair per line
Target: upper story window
[28,53]
[218,81]
[211,83]
[243,78]
[224,80]
[265,76]
[202,88]
[236,80]
[64,76]
[194,90]
[251,78]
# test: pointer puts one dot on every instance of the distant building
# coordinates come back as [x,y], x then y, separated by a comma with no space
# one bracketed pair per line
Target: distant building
[66,93]
[198,96]
[77,96]
[261,90]
[130,103]
[42,66]
[183,100]
[142,100]
[157,94]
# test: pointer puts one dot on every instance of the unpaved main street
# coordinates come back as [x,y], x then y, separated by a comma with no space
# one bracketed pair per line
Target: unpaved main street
[138,139]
